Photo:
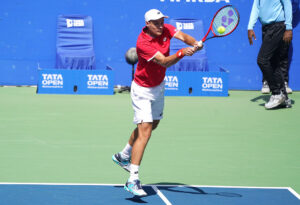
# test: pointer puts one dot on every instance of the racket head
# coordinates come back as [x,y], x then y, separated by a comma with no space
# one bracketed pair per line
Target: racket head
[228,17]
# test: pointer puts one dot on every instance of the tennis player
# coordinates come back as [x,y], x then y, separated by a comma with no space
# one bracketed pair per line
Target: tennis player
[147,89]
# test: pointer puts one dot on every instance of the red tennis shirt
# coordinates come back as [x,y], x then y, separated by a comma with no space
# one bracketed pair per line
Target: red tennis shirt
[149,73]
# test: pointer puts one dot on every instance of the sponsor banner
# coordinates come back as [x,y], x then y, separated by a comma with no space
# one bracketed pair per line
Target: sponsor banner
[59,81]
[52,80]
[171,82]
[96,82]
[185,26]
[213,84]
[196,83]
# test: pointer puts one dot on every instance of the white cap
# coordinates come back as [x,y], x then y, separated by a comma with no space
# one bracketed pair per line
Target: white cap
[154,14]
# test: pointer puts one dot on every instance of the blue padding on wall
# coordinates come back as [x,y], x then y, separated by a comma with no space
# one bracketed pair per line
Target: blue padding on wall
[74,44]
[197,62]
[28,40]
[193,27]
[196,83]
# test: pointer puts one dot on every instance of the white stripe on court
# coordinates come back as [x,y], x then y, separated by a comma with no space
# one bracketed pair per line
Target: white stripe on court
[154,187]
[158,192]
[294,192]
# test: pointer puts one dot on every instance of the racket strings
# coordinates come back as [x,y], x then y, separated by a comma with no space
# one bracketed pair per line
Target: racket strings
[226,17]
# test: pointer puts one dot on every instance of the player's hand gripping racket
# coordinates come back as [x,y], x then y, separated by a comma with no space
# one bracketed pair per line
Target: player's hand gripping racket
[224,23]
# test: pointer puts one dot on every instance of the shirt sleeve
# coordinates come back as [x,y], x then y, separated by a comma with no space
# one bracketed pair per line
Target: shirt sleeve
[254,15]
[288,13]
[171,30]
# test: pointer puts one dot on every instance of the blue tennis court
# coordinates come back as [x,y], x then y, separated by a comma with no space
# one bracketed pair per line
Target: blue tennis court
[29,194]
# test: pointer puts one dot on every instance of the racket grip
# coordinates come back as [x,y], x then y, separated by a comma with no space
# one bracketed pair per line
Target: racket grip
[200,43]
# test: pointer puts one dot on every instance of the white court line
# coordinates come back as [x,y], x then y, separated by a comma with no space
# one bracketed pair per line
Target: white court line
[154,185]
[294,192]
[167,202]
[60,184]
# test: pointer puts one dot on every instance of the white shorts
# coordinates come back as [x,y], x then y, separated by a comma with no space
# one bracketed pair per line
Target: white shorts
[147,103]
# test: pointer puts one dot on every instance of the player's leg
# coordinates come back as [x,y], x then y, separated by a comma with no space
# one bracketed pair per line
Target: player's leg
[265,55]
[123,158]
[133,184]
[283,69]
[272,36]
[135,132]
[144,134]
[284,64]
[141,103]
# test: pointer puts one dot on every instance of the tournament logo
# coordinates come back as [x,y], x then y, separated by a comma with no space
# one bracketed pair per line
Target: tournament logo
[185,26]
[52,80]
[213,84]
[75,23]
[171,82]
[97,81]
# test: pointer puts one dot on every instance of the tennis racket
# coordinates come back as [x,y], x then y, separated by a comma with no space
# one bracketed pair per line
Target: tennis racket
[224,23]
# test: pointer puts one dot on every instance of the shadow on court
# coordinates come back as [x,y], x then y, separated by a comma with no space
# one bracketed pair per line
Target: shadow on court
[167,193]
[173,187]
[147,189]
[264,98]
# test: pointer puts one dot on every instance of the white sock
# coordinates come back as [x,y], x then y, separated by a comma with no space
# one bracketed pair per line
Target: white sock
[126,152]
[134,172]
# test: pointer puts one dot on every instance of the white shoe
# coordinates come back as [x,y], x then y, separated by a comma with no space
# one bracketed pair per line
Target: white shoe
[135,188]
[287,88]
[124,163]
[265,88]
[275,101]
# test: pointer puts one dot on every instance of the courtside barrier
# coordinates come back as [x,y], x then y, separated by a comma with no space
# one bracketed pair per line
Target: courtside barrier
[196,83]
[83,82]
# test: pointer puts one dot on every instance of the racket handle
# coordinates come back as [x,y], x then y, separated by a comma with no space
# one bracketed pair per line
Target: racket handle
[200,43]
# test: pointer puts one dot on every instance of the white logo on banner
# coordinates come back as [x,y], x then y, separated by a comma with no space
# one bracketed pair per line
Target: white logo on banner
[185,26]
[194,1]
[52,81]
[75,23]
[171,82]
[97,81]
[212,84]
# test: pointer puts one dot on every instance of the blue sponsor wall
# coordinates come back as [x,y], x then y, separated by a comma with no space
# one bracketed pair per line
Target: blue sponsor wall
[85,82]
[28,37]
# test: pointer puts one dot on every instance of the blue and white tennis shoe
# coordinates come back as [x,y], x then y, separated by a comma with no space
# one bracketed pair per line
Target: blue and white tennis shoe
[122,162]
[135,188]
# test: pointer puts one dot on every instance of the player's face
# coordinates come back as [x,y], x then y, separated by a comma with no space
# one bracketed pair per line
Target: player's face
[155,27]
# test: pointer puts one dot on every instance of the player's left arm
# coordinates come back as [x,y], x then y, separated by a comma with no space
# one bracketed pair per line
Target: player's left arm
[288,13]
[187,39]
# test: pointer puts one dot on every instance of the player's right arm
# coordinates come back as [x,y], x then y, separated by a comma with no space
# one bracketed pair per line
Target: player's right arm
[167,61]
[187,39]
